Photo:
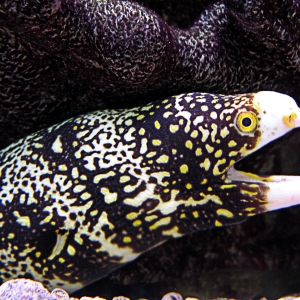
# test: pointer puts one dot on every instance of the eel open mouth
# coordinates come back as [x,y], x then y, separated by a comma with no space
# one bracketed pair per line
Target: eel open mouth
[277,165]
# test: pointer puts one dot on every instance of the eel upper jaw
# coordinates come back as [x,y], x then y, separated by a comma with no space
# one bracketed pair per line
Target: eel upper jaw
[283,191]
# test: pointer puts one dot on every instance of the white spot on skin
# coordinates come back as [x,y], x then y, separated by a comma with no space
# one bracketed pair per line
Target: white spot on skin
[198,120]
[57,146]
[108,196]
[144,147]
[214,115]
[205,133]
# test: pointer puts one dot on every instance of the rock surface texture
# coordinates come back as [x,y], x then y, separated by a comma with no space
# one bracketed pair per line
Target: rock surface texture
[60,58]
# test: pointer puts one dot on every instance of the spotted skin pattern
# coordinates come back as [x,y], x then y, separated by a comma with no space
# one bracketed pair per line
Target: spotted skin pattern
[83,197]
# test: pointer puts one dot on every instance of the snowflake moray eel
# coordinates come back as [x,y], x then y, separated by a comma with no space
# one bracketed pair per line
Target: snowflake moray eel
[83,197]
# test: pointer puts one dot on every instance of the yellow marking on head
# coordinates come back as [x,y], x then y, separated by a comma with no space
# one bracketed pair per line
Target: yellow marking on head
[137,223]
[227,186]
[81,134]
[218,224]
[71,250]
[198,152]
[182,216]
[181,121]
[207,197]
[157,124]
[224,132]
[204,181]
[209,148]
[75,144]
[47,219]
[166,190]
[99,177]
[174,151]
[11,236]
[218,153]
[59,245]
[38,145]
[167,114]
[61,260]
[173,128]
[224,212]
[232,143]
[172,232]
[128,122]
[77,154]
[249,209]
[140,117]
[194,133]
[205,164]
[150,218]
[205,133]
[108,196]
[214,132]
[192,105]
[79,188]
[188,186]
[142,131]
[168,106]
[85,196]
[189,144]
[216,170]
[94,212]
[22,220]
[250,193]
[209,189]
[38,254]
[163,159]
[195,214]
[124,178]
[184,169]
[132,215]
[34,156]
[156,142]
[160,222]
[75,172]
[228,118]
[127,239]
[151,154]
[233,153]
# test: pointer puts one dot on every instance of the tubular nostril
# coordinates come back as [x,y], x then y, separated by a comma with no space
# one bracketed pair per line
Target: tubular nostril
[290,120]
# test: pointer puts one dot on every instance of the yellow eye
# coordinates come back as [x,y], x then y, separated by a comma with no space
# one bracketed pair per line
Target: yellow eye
[247,122]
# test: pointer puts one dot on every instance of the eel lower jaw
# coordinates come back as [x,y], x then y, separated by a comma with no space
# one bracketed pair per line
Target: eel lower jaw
[282,191]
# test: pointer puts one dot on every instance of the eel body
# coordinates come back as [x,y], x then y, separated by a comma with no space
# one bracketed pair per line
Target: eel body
[83,197]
